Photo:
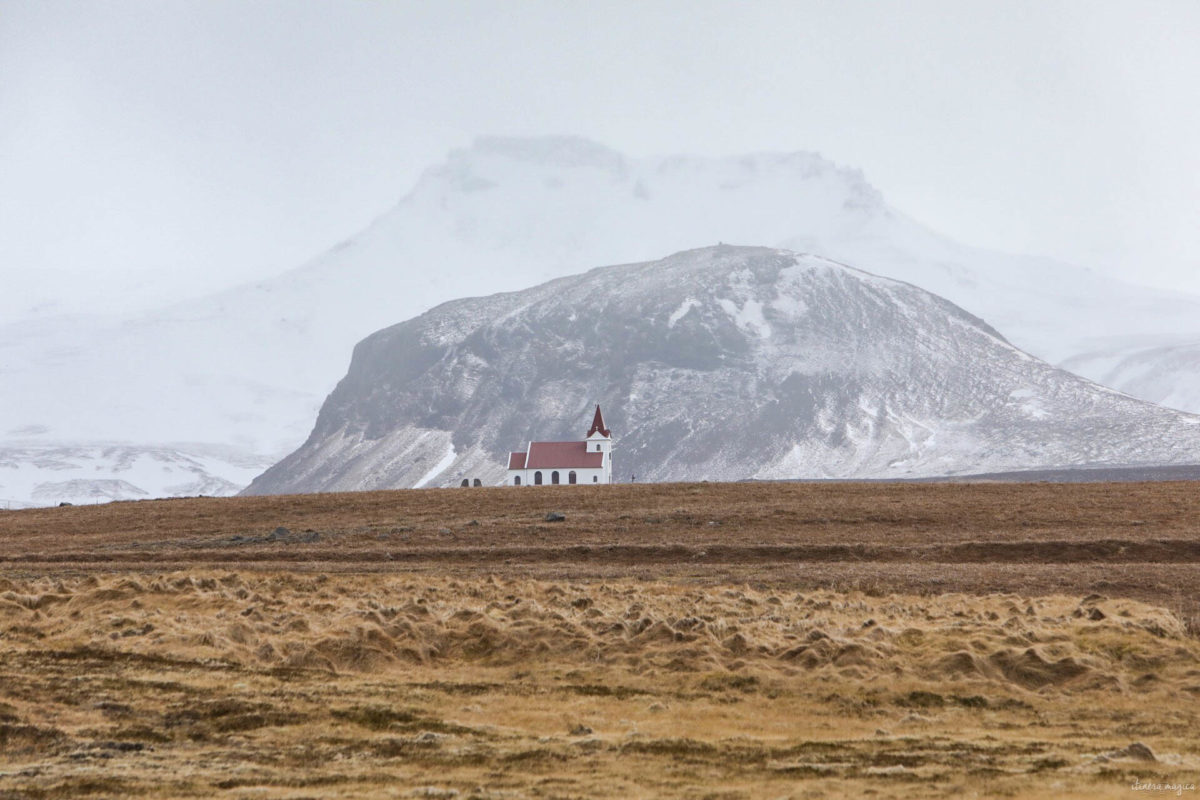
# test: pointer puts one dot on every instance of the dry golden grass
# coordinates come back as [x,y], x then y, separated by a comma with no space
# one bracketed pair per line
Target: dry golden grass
[684,641]
[1138,540]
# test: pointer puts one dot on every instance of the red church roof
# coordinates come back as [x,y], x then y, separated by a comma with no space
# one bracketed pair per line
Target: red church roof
[561,455]
[516,461]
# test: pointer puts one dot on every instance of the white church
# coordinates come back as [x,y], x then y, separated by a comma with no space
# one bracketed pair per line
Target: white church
[589,461]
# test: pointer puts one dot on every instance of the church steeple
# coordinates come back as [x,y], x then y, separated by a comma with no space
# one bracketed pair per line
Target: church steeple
[598,425]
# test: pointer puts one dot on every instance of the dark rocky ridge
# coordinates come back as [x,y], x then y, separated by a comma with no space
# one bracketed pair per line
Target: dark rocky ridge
[721,363]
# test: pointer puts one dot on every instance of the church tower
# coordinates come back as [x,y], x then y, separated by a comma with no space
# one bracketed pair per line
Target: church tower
[599,440]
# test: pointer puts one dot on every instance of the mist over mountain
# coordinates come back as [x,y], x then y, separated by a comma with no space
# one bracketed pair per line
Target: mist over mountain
[247,369]
[722,363]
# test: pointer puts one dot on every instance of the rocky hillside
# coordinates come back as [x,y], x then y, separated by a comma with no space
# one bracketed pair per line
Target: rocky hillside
[721,363]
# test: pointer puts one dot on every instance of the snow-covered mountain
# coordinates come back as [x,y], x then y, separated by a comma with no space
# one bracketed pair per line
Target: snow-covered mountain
[36,474]
[721,363]
[1163,369]
[249,367]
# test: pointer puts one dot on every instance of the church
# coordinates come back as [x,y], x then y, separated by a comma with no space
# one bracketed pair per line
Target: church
[589,461]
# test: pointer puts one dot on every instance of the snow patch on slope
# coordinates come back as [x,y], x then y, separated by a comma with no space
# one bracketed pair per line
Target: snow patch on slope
[681,312]
[437,469]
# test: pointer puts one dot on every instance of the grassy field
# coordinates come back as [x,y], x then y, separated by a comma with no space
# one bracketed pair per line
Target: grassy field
[674,641]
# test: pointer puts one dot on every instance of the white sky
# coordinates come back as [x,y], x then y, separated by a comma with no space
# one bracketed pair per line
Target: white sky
[164,148]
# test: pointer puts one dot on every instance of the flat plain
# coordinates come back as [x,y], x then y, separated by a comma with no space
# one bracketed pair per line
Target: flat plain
[703,640]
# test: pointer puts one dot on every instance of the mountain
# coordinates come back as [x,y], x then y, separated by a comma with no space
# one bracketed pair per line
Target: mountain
[1167,373]
[246,370]
[721,363]
[39,474]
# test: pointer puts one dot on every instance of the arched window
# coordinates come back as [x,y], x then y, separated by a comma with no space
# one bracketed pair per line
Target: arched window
[597,447]
[537,478]
[465,483]
[595,479]
[477,482]
[516,480]
[571,477]
[554,477]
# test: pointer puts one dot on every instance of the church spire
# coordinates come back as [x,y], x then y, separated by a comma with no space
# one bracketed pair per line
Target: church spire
[598,425]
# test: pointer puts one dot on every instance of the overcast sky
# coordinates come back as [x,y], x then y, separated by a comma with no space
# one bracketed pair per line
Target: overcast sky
[198,144]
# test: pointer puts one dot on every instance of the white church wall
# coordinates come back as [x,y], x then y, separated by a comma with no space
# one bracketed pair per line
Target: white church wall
[582,476]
